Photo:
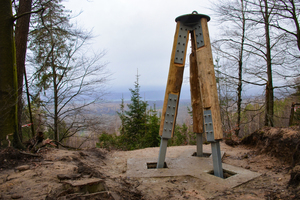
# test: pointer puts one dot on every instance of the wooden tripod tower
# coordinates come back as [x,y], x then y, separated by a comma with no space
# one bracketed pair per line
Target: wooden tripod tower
[204,96]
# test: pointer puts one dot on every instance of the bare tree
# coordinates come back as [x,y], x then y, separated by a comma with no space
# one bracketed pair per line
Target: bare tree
[256,47]
[232,15]
[68,78]
[287,19]
[270,53]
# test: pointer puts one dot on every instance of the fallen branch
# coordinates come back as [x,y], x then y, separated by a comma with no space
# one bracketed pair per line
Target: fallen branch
[30,154]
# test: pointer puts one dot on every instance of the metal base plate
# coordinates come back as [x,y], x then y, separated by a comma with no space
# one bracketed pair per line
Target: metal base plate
[188,165]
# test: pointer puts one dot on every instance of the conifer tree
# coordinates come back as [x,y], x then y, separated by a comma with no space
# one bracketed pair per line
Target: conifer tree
[134,119]
[152,138]
[140,127]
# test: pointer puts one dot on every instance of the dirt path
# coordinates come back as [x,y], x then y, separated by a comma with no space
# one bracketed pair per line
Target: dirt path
[270,185]
[46,177]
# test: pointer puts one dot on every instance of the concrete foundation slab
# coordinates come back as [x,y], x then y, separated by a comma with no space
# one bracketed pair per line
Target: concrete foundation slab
[187,165]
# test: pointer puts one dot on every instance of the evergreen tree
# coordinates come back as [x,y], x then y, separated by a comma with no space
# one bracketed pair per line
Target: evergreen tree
[134,119]
[140,127]
[152,138]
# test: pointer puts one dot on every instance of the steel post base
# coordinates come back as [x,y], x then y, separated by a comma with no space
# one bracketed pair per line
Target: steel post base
[217,160]
[162,153]
[199,145]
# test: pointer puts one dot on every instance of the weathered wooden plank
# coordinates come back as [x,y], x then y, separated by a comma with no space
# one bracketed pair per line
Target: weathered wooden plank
[174,81]
[208,81]
[196,99]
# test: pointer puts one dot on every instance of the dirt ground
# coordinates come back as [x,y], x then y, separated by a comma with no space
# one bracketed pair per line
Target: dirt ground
[100,174]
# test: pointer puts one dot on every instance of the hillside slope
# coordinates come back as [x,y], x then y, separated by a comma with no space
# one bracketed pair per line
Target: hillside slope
[99,174]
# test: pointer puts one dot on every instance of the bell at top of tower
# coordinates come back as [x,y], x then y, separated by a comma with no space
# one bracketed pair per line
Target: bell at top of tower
[191,19]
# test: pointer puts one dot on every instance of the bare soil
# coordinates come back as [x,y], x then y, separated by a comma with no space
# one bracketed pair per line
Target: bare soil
[273,152]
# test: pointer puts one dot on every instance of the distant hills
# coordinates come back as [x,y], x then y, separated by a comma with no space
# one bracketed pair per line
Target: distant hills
[148,95]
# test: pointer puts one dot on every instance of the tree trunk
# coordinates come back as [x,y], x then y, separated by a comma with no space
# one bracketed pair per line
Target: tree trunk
[240,72]
[8,77]
[56,129]
[269,92]
[294,11]
[292,114]
[21,35]
[55,89]
[267,105]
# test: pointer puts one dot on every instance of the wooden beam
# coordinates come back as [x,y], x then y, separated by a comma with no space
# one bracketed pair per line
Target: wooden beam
[196,99]
[207,80]
[175,78]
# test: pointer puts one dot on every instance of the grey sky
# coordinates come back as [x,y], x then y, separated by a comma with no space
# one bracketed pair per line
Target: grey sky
[137,34]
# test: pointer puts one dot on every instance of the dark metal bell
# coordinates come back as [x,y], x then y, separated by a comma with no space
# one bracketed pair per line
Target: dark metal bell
[191,19]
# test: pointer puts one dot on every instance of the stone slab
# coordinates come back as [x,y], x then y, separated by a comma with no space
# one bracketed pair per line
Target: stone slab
[187,165]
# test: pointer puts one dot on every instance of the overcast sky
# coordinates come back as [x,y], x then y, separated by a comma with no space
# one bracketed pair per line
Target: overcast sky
[137,34]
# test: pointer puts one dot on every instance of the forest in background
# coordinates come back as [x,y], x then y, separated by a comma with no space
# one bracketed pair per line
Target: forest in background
[54,91]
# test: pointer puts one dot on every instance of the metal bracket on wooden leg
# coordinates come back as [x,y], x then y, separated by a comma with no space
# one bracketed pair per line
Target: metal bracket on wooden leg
[215,145]
[208,126]
[170,116]
[180,52]
[217,160]
[168,128]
